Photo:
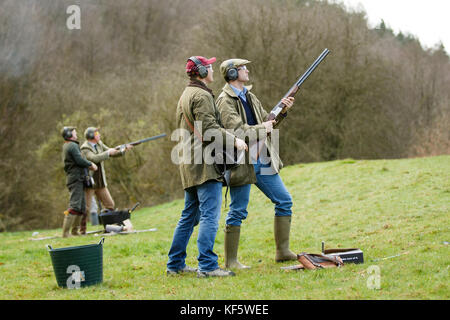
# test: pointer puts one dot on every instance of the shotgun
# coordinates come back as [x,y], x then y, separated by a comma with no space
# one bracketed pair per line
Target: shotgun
[135,143]
[293,90]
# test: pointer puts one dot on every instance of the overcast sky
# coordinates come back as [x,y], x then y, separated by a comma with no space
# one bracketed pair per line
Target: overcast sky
[428,20]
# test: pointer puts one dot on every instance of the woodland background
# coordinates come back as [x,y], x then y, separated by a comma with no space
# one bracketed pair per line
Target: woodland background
[378,95]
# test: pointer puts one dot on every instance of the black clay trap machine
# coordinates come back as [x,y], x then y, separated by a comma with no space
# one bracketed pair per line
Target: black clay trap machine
[116,221]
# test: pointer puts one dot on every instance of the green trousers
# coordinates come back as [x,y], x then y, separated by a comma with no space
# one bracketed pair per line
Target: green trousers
[77,200]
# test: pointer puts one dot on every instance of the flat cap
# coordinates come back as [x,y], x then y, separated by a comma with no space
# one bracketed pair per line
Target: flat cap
[231,63]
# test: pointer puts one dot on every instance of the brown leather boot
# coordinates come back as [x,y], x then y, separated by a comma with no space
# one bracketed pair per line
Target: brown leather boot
[83,223]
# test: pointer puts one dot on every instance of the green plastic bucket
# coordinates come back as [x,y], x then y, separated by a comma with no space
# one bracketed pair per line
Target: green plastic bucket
[77,267]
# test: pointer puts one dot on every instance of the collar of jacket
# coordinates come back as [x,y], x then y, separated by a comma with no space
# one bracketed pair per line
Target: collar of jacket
[229,90]
[87,145]
[199,84]
[67,141]
[92,144]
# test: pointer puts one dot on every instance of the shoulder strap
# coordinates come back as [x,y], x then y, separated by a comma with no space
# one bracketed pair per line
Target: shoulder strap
[193,129]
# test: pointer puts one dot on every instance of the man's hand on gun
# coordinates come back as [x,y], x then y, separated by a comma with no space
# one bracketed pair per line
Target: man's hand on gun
[93,167]
[113,151]
[240,144]
[269,125]
[288,102]
[122,149]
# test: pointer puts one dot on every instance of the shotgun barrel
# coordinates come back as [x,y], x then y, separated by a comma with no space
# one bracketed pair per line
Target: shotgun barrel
[135,143]
[293,90]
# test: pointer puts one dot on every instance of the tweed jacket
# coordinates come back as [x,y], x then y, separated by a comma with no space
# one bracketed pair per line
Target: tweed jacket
[98,157]
[232,116]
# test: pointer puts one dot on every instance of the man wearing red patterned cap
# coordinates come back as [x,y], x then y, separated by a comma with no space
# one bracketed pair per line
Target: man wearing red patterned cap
[196,114]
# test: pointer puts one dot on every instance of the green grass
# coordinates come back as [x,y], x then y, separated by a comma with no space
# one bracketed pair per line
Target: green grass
[383,207]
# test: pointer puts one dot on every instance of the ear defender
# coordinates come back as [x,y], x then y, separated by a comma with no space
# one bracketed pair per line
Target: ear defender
[201,69]
[90,133]
[232,73]
[67,133]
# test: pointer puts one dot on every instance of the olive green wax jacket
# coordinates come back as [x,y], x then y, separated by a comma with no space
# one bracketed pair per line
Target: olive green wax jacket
[197,105]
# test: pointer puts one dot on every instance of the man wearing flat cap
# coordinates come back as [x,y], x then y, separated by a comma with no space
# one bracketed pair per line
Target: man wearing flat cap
[241,111]
[93,149]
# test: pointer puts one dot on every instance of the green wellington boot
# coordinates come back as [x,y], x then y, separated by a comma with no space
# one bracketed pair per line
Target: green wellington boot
[67,224]
[232,234]
[282,227]
[76,225]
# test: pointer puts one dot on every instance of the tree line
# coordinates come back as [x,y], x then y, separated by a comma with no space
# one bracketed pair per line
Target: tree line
[377,95]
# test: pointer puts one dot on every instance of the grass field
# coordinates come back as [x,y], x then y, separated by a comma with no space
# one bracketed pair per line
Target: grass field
[385,208]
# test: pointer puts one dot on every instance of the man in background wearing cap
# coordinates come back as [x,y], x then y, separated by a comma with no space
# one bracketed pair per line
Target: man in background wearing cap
[74,166]
[96,151]
[196,114]
[241,110]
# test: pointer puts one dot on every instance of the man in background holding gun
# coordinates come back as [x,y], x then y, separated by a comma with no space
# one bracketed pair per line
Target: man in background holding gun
[241,110]
[93,149]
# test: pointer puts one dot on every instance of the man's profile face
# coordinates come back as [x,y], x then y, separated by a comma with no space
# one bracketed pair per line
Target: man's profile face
[243,73]
[74,134]
[97,136]
[210,77]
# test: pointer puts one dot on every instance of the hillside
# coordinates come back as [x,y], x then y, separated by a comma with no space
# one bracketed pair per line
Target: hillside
[377,95]
[384,207]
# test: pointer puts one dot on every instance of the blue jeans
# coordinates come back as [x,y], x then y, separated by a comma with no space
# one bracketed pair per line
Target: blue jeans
[274,189]
[201,206]
[270,184]
[238,207]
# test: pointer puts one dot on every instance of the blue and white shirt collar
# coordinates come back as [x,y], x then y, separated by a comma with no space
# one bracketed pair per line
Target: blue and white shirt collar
[240,93]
